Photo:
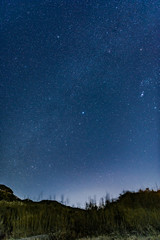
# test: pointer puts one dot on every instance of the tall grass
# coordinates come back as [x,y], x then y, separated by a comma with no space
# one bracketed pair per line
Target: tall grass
[133,214]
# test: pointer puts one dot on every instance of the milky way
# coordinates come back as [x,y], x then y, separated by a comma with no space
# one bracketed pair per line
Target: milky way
[79,97]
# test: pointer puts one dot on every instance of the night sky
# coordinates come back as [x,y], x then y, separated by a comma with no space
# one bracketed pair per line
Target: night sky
[79,103]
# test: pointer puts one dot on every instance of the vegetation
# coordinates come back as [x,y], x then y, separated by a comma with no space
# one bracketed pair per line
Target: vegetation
[131,214]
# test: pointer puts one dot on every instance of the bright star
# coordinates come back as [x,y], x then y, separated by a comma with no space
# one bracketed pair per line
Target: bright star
[142,94]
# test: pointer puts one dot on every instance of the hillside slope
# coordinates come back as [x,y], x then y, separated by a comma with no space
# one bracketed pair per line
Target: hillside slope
[132,213]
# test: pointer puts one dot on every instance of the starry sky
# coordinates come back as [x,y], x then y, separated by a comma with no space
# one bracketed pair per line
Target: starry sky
[79,100]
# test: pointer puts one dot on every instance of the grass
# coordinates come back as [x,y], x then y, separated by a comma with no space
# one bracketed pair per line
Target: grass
[136,214]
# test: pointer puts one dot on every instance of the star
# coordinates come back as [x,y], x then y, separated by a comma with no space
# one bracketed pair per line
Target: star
[142,94]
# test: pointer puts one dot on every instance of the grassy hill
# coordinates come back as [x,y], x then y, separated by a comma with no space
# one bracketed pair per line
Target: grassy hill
[132,213]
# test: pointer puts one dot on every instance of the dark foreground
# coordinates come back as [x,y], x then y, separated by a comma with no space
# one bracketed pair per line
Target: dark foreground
[132,214]
[123,238]
[46,237]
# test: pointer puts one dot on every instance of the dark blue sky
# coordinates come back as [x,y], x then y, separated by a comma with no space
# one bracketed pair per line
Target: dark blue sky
[79,97]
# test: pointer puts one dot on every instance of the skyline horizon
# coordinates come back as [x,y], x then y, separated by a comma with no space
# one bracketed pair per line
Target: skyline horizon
[80,100]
